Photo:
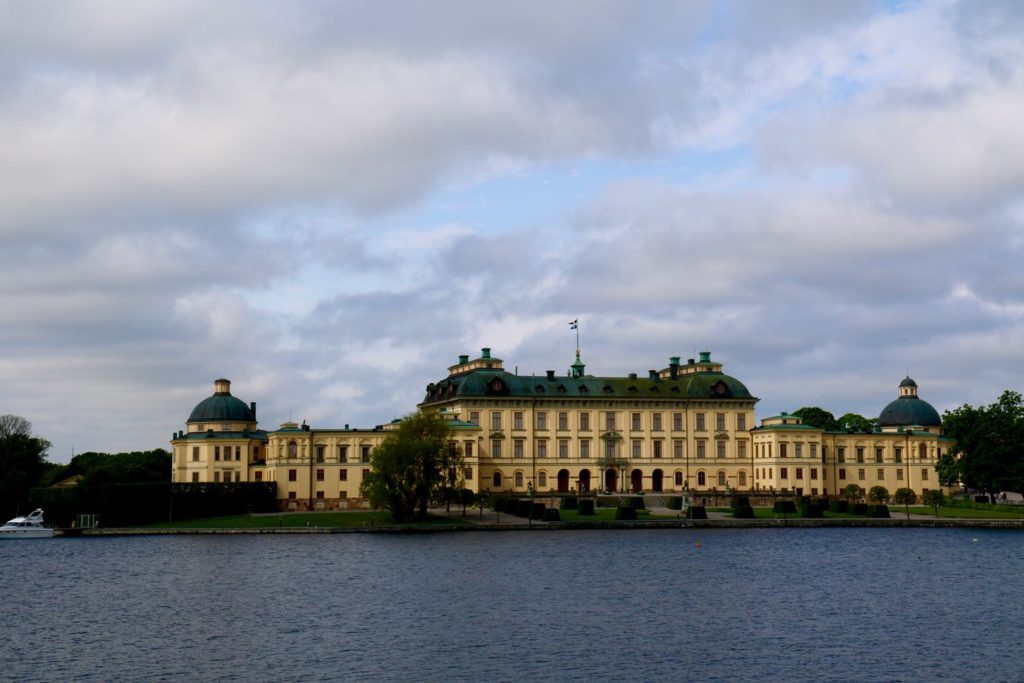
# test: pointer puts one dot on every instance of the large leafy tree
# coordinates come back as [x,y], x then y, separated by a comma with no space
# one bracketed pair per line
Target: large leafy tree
[852,422]
[22,463]
[817,417]
[412,465]
[989,451]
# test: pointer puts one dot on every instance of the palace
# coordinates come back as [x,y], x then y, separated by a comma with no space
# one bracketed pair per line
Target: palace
[685,427]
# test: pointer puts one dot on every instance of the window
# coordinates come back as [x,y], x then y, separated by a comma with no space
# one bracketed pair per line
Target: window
[364,453]
[496,479]
[342,475]
[216,476]
[721,478]
[700,422]
[609,449]
[319,475]
[636,448]
[474,418]
[741,422]
[342,453]
[783,473]
[585,448]
[342,495]
[897,454]
[799,450]
[657,449]
[720,449]
[195,454]
[840,454]
[195,477]
[634,422]
[319,494]
[878,455]
[677,422]
[719,422]
[814,473]
[238,452]
[814,451]
[495,421]
[881,474]
[585,422]
[292,475]
[542,479]
[860,454]
[517,448]
[924,474]
[799,472]
[495,448]
[701,446]
[899,475]
[563,448]
[542,448]
[701,479]
[293,449]
[677,449]
[563,421]
[656,422]
[216,452]
[366,473]
[842,473]
[292,495]
[542,420]
[257,475]
[467,474]
[860,474]
[679,478]
[319,453]
[609,421]
[519,480]
[468,449]
[783,447]
[517,420]
[741,449]
[922,452]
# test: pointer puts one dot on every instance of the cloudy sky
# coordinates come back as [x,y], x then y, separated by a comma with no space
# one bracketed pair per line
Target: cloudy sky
[327,202]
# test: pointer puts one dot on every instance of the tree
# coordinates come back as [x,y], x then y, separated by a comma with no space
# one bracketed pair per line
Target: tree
[934,498]
[412,465]
[905,497]
[853,492]
[852,422]
[22,463]
[989,450]
[879,494]
[817,417]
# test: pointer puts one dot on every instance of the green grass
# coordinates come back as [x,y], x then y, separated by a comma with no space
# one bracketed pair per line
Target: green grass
[766,513]
[606,515]
[975,511]
[300,519]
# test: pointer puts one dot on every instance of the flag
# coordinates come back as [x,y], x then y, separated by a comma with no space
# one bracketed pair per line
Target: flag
[574,324]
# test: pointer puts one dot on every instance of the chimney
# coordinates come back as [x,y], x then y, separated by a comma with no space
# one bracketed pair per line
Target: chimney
[632,375]
[252,409]
[221,386]
[486,352]
[705,356]
[551,375]
[463,359]
[652,374]
[689,361]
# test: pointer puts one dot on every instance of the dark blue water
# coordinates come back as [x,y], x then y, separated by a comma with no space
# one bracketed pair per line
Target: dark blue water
[777,605]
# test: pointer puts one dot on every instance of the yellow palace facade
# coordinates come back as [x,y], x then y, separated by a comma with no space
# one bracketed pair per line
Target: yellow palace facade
[687,427]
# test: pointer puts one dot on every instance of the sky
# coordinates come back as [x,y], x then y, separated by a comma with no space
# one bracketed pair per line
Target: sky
[328,202]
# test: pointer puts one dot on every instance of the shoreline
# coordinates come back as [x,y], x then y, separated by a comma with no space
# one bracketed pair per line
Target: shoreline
[796,523]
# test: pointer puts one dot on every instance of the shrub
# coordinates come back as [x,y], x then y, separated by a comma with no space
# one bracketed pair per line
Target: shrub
[637,503]
[812,509]
[552,515]
[878,511]
[537,511]
[743,512]
[859,509]
[587,507]
[570,503]
[523,508]
[838,506]
[740,501]
[784,507]
[625,512]
[697,512]
[675,503]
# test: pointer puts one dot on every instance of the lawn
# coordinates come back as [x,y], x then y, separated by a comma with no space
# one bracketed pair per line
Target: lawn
[606,515]
[977,511]
[300,519]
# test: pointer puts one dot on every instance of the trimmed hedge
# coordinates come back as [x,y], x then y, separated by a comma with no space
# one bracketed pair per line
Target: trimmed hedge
[586,507]
[537,511]
[743,512]
[523,508]
[739,502]
[696,512]
[878,511]
[675,503]
[784,507]
[552,515]
[570,503]
[637,503]
[812,509]
[859,509]
[625,512]
[838,506]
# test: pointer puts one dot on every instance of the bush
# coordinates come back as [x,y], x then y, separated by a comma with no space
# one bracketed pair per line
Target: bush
[838,506]
[675,503]
[537,511]
[637,503]
[552,515]
[740,501]
[570,503]
[625,512]
[812,509]
[696,512]
[878,511]
[784,507]
[859,508]
[743,512]
[523,508]
[586,507]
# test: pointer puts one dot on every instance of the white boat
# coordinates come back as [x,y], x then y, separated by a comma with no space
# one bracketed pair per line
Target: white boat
[30,526]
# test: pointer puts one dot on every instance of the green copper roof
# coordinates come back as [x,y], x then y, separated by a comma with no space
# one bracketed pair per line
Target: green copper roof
[498,383]
[221,408]
[907,411]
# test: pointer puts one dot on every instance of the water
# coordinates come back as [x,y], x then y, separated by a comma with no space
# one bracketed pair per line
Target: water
[778,605]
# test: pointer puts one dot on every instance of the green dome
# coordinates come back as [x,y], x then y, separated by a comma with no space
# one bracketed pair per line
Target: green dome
[222,407]
[907,411]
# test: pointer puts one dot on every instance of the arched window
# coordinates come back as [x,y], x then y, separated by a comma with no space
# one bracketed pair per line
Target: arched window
[292,449]
[497,479]
[542,479]
[519,480]
[679,478]
[743,478]
[721,478]
[922,452]
[701,479]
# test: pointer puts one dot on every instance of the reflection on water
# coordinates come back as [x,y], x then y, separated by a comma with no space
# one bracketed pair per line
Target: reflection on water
[778,604]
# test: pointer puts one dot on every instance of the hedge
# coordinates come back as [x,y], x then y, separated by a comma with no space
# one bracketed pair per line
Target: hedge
[784,507]
[637,503]
[696,512]
[625,512]
[537,511]
[586,507]
[675,503]
[552,515]
[878,511]
[859,508]
[523,508]
[838,506]
[570,503]
[743,512]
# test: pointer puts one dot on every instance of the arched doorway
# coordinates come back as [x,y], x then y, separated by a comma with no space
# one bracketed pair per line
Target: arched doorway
[657,477]
[563,481]
[636,480]
[611,480]
[584,480]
